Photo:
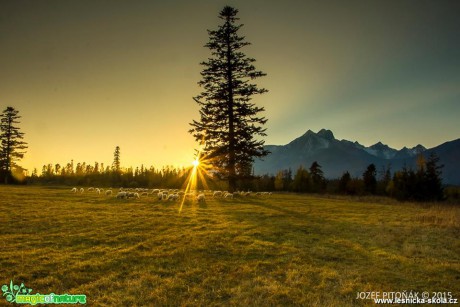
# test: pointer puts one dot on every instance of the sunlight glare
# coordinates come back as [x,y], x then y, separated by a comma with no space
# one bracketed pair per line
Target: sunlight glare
[197,173]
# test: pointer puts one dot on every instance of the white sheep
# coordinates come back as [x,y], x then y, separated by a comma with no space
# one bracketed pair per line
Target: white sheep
[82,190]
[144,194]
[173,197]
[74,190]
[228,195]
[201,198]
[122,195]
[98,191]
[132,194]
[108,192]
[90,189]
[217,194]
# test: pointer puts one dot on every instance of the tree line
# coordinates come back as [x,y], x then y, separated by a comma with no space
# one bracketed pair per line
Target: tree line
[422,184]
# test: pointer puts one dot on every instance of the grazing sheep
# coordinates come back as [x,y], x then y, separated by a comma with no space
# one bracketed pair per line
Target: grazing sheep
[108,192]
[217,194]
[82,190]
[201,198]
[160,195]
[90,189]
[122,195]
[98,191]
[173,197]
[228,195]
[144,194]
[74,190]
[132,194]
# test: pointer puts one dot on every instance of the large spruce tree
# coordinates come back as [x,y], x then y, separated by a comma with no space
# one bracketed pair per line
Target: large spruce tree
[12,145]
[230,127]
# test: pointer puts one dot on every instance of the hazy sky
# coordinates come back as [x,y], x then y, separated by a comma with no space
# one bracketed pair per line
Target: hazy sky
[87,76]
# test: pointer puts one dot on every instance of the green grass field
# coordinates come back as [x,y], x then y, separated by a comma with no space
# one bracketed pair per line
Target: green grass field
[285,250]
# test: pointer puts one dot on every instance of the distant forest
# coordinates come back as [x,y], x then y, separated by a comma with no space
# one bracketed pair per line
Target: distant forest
[423,184]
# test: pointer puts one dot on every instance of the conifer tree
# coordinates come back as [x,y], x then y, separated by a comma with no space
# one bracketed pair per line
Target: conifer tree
[317,177]
[116,160]
[230,123]
[369,178]
[12,146]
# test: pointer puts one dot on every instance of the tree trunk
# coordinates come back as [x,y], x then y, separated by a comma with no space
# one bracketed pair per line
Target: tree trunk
[231,122]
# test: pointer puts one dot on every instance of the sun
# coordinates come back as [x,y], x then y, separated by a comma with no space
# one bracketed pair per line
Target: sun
[196,162]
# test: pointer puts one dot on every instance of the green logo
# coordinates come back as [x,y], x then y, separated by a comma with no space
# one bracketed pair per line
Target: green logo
[22,295]
[13,290]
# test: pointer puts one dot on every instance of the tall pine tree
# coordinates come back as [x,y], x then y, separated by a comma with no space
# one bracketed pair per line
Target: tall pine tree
[116,160]
[12,146]
[229,122]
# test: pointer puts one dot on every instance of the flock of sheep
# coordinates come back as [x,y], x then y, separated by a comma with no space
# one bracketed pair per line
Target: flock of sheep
[167,194]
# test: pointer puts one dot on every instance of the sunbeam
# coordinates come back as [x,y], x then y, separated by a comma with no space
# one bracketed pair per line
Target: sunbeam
[197,174]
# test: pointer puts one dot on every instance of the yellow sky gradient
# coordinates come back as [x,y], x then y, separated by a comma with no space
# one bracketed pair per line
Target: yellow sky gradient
[87,76]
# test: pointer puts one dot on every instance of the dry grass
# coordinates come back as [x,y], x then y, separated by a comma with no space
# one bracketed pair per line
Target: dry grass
[285,250]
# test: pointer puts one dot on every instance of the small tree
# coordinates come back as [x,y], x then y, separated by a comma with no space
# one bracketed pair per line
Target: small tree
[229,122]
[301,182]
[369,178]
[116,160]
[344,183]
[12,146]
[317,177]
[432,179]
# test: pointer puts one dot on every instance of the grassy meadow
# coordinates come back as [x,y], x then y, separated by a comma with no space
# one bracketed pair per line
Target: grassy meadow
[284,250]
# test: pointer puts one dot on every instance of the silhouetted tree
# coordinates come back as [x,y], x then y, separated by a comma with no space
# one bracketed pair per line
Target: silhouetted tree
[229,122]
[369,178]
[344,183]
[384,180]
[432,178]
[317,177]
[301,182]
[12,146]
[423,185]
[116,160]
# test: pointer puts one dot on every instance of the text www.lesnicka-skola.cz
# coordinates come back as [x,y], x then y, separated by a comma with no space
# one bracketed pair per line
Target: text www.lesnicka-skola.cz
[408,297]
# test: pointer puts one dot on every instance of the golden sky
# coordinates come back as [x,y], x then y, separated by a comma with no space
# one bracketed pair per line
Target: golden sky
[87,76]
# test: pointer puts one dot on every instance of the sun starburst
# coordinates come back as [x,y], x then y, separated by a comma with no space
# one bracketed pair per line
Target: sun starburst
[198,172]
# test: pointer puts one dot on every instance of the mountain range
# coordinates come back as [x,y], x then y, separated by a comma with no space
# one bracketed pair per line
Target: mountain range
[337,156]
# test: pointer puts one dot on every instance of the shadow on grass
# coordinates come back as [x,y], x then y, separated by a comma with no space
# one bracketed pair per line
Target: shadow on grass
[264,203]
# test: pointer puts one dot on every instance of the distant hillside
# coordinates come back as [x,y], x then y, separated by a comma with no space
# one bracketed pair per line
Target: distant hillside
[336,156]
